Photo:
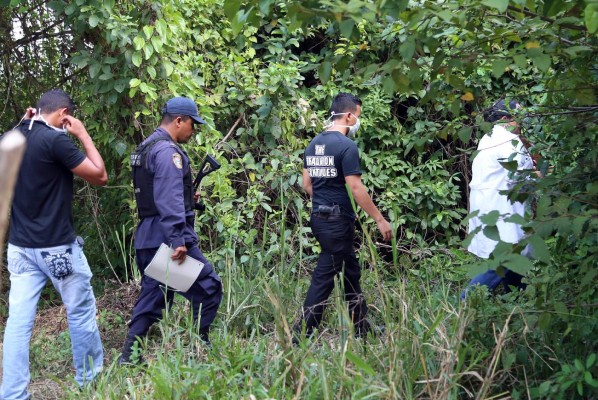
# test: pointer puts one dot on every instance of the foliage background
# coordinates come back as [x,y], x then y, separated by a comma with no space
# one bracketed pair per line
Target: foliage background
[264,72]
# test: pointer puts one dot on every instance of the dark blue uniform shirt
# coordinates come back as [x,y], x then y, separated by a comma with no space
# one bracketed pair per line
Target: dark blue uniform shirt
[329,158]
[173,226]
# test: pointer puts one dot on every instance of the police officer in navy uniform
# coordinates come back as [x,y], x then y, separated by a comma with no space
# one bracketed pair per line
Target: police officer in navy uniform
[165,202]
[330,166]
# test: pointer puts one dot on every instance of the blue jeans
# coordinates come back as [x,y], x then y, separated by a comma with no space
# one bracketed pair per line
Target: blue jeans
[491,280]
[67,268]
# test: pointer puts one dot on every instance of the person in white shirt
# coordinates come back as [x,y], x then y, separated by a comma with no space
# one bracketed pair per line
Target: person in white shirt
[489,178]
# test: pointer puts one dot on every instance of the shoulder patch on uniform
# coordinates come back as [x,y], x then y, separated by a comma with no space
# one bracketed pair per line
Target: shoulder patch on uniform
[177,160]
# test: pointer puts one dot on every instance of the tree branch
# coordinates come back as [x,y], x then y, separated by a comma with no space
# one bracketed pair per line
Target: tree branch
[552,21]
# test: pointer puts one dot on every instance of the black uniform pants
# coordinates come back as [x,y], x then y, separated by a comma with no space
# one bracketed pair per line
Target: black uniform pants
[205,296]
[335,234]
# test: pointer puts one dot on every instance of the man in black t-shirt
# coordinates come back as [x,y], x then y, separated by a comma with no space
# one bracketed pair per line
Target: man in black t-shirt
[42,243]
[330,167]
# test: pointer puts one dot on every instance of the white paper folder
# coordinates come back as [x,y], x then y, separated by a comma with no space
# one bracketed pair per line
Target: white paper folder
[170,272]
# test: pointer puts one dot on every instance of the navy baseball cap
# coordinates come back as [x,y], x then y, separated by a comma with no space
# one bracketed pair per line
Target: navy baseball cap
[183,106]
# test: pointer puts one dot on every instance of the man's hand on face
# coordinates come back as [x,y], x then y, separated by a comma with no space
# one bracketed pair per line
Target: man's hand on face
[74,126]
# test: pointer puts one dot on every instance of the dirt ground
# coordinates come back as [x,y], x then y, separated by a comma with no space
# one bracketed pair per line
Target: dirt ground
[114,308]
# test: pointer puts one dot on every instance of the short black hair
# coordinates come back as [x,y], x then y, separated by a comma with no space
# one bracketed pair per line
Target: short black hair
[500,109]
[344,103]
[168,117]
[55,99]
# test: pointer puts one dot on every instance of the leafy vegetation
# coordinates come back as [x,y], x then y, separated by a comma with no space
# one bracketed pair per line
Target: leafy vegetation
[263,73]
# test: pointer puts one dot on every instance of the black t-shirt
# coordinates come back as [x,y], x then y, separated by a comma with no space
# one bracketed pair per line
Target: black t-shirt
[41,213]
[329,158]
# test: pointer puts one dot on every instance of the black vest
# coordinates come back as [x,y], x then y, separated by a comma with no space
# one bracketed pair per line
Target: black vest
[143,181]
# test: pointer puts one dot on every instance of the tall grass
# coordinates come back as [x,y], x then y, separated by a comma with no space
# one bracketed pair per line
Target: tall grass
[422,353]
[434,346]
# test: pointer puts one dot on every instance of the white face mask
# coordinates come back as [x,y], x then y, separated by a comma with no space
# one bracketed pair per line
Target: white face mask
[38,117]
[352,128]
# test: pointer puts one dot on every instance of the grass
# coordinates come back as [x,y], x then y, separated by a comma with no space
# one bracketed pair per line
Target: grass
[420,354]
[433,347]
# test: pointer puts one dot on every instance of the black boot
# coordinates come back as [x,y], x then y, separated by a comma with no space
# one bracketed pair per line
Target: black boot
[131,353]
[204,335]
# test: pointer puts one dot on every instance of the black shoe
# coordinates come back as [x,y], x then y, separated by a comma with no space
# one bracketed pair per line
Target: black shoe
[363,331]
[204,335]
[131,354]
[128,361]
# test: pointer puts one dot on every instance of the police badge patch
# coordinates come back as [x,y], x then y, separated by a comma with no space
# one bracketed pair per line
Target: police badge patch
[59,264]
[177,160]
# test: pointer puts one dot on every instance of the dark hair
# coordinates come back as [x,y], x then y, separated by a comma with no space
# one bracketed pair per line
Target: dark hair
[53,100]
[344,103]
[499,110]
[168,117]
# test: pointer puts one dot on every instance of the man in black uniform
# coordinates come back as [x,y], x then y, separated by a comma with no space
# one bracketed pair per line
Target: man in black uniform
[330,166]
[164,192]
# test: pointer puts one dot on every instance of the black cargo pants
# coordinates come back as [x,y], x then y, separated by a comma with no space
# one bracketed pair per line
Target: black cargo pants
[335,233]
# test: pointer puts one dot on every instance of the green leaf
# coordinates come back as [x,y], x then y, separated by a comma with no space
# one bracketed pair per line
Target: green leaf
[120,86]
[500,5]
[542,61]
[168,68]
[498,67]
[465,134]
[591,360]
[360,363]
[148,50]
[148,30]
[578,365]
[517,263]
[70,9]
[591,17]
[509,165]
[539,249]
[346,27]
[491,232]
[151,71]
[157,43]
[516,219]
[139,42]
[136,58]
[553,7]
[93,21]
[407,48]
[265,6]
[520,61]
[324,71]
[238,22]
[94,70]
[231,7]
[491,218]
[106,76]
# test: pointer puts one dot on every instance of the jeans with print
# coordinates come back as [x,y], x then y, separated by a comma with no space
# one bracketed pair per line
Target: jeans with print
[30,268]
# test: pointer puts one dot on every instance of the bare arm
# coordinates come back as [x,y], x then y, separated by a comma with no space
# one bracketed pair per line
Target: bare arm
[92,169]
[307,182]
[364,200]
